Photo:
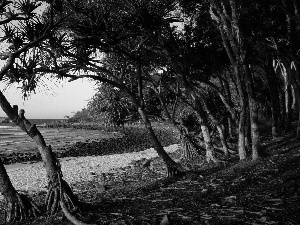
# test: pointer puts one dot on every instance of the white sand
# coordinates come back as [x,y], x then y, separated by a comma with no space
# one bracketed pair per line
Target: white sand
[32,177]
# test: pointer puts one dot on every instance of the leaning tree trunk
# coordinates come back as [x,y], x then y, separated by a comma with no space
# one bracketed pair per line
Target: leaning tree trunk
[18,206]
[189,148]
[51,164]
[174,169]
[210,151]
[218,126]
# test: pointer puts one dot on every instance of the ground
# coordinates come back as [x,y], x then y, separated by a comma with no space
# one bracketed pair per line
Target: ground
[231,192]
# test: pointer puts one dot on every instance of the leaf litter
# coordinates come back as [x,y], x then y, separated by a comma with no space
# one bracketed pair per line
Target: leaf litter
[245,192]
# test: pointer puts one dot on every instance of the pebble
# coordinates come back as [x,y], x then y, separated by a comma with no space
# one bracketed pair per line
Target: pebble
[32,177]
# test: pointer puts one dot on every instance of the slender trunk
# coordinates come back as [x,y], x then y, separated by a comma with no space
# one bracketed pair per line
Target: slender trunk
[218,126]
[230,130]
[174,169]
[288,107]
[188,150]
[241,134]
[253,110]
[274,96]
[248,141]
[6,187]
[255,137]
[242,119]
[33,132]
[297,99]
[283,110]
[223,139]
[210,154]
[51,164]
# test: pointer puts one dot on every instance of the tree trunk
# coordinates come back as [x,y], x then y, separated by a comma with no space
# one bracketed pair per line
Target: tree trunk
[230,129]
[274,95]
[174,169]
[255,137]
[241,134]
[223,140]
[297,98]
[283,110]
[189,149]
[210,153]
[18,206]
[242,119]
[218,126]
[289,109]
[248,141]
[274,124]
[51,164]
[253,110]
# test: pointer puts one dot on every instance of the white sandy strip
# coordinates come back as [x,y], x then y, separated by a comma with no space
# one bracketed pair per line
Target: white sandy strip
[32,177]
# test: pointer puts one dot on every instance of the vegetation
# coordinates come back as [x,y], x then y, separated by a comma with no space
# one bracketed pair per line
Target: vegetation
[213,69]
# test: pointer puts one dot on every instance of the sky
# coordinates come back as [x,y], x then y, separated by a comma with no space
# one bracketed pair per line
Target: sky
[54,102]
[58,100]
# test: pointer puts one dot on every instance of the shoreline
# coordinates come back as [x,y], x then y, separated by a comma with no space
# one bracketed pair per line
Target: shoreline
[31,178]
[86,142]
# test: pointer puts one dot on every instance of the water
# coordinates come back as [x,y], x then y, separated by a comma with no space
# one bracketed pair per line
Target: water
[9,131]
[12,135]
[15,141]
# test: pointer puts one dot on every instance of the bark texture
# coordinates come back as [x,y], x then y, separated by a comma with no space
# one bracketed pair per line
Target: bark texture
[18,206]
[50,162]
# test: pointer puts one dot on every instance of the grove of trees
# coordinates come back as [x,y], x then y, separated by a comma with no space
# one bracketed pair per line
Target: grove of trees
[217,70]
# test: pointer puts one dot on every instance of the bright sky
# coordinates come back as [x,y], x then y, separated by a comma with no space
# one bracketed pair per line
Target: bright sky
[52,102]
[61,99]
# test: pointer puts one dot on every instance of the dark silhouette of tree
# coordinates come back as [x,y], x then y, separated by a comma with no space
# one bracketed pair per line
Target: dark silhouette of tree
[113,29]
[110,106]
[24,30]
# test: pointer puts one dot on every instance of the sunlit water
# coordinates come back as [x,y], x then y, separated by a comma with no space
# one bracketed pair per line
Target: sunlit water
[10,134]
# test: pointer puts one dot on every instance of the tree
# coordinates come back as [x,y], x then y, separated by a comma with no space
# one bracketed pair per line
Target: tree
[226,15]
[24,30]
[110,106]
[108,29]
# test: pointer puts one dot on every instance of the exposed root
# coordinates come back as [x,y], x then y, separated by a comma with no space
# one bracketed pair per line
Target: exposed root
[54,194]
[191,148]
[21,208]
[71,217]
[63,205]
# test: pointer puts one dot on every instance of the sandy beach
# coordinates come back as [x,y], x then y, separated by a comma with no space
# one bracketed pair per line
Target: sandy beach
[32,177]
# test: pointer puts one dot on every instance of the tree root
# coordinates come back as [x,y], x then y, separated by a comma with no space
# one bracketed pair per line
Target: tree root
[175,171]
[21,208]
[55,191]
[63,197]
[70,216]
